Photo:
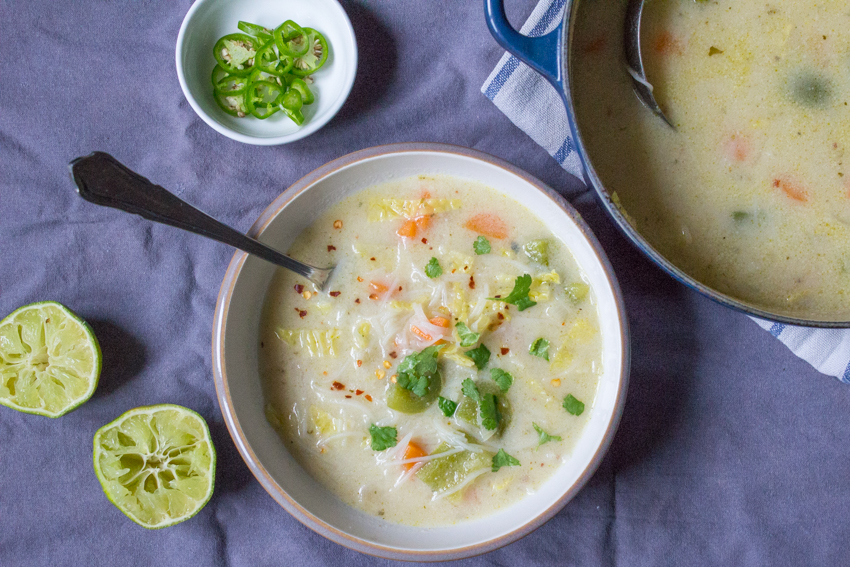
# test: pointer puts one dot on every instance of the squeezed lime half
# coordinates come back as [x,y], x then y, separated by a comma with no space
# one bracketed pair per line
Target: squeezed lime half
[156,464]
[49,360]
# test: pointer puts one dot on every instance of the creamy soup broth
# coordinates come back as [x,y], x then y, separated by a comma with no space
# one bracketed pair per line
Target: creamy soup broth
[751,193]
[329,358]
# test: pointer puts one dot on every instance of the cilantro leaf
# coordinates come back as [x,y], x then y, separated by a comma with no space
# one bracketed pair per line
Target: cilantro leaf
[467,337]
[502,459]
[502,378]
[573,406]
[489,412]
[481,246]
[433,269]
[383,437]
[470,390]
[479,355]
[519,294]
[540,347]
[544,437]
[417,370]
[448,407]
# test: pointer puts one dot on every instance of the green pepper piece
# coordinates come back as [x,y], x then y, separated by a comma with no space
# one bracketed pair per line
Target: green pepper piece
[236,53]
[232,104]
[269,61]
[291,39]
[301,86]
[261,96]
[260,75]
[315,56]
[445,473]
[406,401]
[291,103]
[228,84]
[537,251]
[261,33]
[467,409]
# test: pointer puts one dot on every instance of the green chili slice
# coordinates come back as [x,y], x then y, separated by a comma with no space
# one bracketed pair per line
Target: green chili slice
[291,39]
[290,102]
[315,56]
[299,85]
[269,61]
[236,53]
[261,33]
[232,104]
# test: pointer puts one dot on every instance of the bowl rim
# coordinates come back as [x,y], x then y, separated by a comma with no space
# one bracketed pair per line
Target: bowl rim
[258,470]
[304,131]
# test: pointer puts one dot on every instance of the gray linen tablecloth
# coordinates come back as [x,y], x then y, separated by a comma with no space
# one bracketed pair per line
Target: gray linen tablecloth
[731,450]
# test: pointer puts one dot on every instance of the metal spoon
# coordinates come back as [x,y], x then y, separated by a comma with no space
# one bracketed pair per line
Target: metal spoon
[634,61]
[103,180]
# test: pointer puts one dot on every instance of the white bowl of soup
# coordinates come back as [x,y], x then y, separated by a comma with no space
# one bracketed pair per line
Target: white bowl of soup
[458,379]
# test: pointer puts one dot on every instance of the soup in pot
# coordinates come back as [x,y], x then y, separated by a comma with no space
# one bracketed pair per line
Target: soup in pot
[750,194]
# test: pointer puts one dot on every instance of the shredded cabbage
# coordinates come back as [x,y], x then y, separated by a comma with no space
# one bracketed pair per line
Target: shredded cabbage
[541,286]
[388,209]
[317,343]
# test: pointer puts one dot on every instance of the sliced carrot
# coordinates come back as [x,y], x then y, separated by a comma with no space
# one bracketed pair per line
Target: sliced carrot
[791,189]
[378,287]
[440,322]
[422,222]
[488,224]
[738,147]
[420,333]
[413,451]
[408,229]
[667,44]
[594,46]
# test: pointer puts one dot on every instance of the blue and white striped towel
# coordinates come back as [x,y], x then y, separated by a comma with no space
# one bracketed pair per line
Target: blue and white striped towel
[537,109]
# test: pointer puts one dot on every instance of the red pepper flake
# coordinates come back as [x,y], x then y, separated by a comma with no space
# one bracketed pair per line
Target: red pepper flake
[424,241]
[358,392]
[500,317]
[368,397]
[337,386]
[347,396]
[372,258]
[331,248]
[393,354]
[334,293]
[471,282]
[301,312]
[399,288]
[498,296]
[504,350]
[359,363]
[359,279]
[299,288]
[373,296]
[357,300]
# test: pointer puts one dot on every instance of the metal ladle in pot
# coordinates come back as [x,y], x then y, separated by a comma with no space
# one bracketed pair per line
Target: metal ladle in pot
[103,180]
[634,61]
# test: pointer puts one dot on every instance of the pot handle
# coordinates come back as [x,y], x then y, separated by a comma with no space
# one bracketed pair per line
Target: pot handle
[543,54]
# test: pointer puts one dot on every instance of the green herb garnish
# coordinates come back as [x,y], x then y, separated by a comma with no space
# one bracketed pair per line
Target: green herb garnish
[433,269]
[383,437]
[540,348]
[448,407]
[470,390]
[502,459]
[489,411]
[519,294]
[544,437]
[502,378]
[467,337]
[481,246]
[479,355]
[573,406]
[417,370]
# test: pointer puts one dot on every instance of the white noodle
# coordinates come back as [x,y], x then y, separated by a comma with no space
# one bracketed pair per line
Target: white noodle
[459,487]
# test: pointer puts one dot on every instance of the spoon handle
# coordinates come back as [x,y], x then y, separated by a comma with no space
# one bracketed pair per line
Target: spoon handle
[103,180]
